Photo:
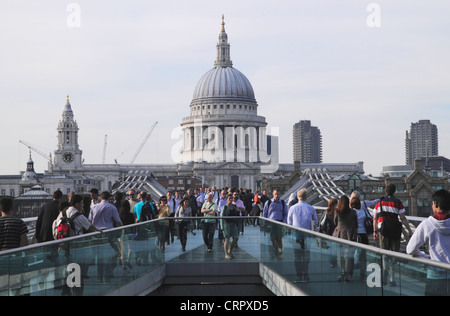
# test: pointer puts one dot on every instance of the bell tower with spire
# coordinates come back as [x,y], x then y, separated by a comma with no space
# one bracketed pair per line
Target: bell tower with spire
[223,49]
[68,155]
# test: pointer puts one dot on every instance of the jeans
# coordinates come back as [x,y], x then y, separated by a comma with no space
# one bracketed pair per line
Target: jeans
[209,229]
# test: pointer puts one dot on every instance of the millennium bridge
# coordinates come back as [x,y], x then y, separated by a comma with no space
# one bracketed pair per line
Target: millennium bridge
[116,263]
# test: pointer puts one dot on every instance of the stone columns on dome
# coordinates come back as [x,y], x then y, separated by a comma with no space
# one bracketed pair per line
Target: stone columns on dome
[221,143]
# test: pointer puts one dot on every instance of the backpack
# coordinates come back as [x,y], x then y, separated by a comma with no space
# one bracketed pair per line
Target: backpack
[66,226]
[282,203]
[147,212]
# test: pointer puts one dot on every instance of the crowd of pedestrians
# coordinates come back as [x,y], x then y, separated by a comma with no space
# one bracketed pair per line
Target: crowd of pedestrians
[346,218]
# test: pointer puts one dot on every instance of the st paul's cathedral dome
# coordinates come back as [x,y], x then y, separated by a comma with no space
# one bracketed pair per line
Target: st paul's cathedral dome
[223,125]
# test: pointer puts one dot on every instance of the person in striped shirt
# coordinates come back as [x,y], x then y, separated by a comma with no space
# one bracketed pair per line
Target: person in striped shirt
[389,209]
[13,231]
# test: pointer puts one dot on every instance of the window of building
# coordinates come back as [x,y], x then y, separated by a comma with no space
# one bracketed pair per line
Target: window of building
[423,207]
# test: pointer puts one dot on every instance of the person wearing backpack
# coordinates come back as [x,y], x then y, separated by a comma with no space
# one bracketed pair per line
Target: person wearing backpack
[144,210]
[78,224]
[71,222]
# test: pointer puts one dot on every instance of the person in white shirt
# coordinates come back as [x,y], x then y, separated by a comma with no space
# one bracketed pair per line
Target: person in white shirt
[435,232]
[81,223]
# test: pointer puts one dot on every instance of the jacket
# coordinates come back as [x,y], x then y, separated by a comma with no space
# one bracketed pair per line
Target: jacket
[346,225]
[436,234]
[45,220]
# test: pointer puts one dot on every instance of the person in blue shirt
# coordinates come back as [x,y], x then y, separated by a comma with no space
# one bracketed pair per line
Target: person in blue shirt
[276,209]
[304,216]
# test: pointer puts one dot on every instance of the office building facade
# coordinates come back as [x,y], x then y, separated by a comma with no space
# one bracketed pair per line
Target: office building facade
[307,144]
[421,141]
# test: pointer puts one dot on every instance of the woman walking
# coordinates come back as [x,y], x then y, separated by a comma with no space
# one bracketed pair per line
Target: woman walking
[230,229]
[163,225]
[327,226]
[184,210]
[346,222]
[360,255]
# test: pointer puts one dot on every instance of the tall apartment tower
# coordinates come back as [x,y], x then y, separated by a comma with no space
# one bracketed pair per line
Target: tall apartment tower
[421,141]
[307,143]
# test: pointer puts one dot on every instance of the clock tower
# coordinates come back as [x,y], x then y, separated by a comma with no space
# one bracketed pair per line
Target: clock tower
[68,154]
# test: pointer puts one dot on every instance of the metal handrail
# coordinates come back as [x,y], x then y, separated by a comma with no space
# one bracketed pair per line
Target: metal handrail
[311,232]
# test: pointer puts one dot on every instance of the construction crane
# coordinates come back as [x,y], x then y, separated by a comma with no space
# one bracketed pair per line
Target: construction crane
[104,149]
[31,147]
[143,143]
[49,157]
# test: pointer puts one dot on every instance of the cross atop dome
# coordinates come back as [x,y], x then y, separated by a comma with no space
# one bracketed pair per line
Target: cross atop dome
[223,23]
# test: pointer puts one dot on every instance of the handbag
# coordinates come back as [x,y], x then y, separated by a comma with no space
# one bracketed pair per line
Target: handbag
[368,222]
[391,228]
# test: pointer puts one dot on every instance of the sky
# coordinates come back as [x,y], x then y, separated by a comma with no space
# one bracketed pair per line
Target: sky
[361,71]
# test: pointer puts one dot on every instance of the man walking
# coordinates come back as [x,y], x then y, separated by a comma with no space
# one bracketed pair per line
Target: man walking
[277,210]
[49,213]
[209,211]
[104,216]
[304,216]
[387,228]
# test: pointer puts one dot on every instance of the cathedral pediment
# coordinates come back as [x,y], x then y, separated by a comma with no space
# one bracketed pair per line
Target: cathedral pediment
[235,165]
